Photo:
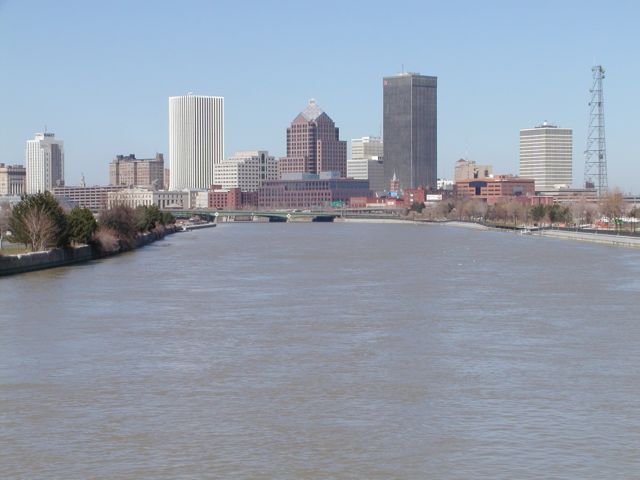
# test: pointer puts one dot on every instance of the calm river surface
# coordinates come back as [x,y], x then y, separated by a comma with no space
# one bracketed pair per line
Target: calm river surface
[326,351]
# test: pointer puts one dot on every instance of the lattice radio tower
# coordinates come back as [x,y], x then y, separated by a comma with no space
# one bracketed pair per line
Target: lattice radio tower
[595,164]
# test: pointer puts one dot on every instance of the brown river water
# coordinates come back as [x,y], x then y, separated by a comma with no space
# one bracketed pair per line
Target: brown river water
[306,351]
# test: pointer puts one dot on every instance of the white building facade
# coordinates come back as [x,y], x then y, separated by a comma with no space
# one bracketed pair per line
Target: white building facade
[546,154]
[44,163]
[368,169]
[196,140]
[246,170]
[366,148]
[366,162]
[12,180]
[135,197]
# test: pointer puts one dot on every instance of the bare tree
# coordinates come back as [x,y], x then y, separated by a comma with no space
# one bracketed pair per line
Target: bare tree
[40,228]
[612,205]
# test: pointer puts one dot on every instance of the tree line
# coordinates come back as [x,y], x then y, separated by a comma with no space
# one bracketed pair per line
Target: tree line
[612,206]
[39,222]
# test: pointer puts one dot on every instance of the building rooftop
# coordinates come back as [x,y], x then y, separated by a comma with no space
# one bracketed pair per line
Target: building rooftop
[312,111]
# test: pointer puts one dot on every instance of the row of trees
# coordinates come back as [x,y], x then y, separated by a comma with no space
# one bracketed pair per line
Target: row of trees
[611,206]
[39,222]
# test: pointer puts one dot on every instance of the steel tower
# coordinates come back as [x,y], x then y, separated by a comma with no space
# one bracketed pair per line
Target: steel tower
[595,165]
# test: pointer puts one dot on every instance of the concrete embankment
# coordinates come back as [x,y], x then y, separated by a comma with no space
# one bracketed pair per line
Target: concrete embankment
[59,257]
[604,239]
[469,225]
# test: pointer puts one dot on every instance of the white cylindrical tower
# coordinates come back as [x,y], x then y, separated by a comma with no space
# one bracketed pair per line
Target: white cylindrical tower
[196,140]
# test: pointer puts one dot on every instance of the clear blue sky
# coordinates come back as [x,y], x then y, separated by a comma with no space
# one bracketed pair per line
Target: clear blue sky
[98,74]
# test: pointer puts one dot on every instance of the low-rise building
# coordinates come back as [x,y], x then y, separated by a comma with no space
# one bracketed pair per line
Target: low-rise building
[134,197]
[225,199]
[310,191]
[497,188]
[12,179]
[94,198]
[566,196]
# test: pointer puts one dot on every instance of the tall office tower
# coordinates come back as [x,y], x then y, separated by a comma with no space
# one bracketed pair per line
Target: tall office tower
[366,162]
[44,163]
[546,156]
[143,172]
[313,144]
[196,140]
[246,170]
[410,125]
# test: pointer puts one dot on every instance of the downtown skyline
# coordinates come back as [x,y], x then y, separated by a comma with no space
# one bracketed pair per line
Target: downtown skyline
[107,93]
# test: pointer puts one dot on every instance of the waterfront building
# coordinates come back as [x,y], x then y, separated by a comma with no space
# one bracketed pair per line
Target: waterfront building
[196,140]
[410,129]
[246,170]
[12,180]
[569,196]
[135,197]
[310,191]
[94,198]
[224,198]
[469,169]
[313,144]
[142,172]
[496,188]
[546,156]
[44,163]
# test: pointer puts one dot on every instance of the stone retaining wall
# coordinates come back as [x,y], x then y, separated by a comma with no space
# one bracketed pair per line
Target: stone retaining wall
[58,257]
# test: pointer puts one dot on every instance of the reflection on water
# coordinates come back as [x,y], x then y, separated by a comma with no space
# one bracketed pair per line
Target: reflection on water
[325,351]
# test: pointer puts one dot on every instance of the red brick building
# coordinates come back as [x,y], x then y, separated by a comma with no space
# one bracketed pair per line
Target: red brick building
[224,199]
[311,193]
[495,187]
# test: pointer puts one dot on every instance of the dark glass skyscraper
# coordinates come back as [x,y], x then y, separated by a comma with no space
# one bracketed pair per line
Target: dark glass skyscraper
[411,129]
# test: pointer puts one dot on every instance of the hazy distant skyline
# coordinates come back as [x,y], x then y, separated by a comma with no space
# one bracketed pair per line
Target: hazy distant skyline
[99,74]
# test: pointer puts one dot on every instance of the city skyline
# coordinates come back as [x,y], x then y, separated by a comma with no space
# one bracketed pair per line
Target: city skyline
[495,74]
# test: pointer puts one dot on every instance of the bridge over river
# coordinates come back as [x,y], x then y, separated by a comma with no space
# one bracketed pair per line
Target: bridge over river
[284,215]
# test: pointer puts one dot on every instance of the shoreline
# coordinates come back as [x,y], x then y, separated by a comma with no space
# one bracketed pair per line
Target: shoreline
[62,257]
[603,239]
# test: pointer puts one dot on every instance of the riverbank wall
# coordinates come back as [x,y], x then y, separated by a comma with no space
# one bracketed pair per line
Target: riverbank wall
[602,238]
[59,257]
